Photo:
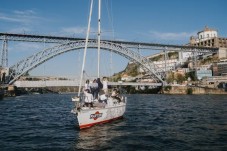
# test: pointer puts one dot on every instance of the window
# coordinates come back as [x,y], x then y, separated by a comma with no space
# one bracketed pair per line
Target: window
[207,35]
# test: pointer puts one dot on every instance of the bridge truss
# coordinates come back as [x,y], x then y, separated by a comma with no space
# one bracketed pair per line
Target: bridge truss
[35,60]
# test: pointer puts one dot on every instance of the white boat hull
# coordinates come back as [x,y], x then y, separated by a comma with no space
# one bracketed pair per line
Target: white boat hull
[88,117]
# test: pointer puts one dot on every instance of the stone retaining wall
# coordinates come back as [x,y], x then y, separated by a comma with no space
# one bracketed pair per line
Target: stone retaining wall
[195,90]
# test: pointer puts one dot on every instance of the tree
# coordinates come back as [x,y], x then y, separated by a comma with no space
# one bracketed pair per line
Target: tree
[192,75]
[170,77]
[180,78]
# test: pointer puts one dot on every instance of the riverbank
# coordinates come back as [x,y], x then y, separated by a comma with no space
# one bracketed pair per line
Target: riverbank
[173,90]
[192,90]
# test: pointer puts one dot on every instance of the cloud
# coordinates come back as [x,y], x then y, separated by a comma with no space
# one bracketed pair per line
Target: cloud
[74,30]
[81,31]
[23,17]
[170,35]
[30,47]
[20,30]
[23,46]
[10,19]
[25,12]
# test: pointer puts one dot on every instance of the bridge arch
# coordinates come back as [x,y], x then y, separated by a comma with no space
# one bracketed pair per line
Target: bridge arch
[31,62]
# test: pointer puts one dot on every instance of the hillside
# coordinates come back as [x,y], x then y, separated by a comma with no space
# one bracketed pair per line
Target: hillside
[132,68]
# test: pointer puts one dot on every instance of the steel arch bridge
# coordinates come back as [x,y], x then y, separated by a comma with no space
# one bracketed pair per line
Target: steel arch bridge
[31,62]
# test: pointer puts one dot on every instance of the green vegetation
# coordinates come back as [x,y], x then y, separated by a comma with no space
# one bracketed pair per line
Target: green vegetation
[167,88]
[116,77]
[132,70]
[191,75]
[130,90]
[189,91]
[173,55]
[180,78]
[157,58]
[171,77]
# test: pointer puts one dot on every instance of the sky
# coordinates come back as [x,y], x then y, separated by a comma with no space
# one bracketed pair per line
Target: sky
[155,21]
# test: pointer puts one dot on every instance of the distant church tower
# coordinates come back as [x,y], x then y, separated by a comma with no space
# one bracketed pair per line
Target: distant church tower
[203,35]
[206,34]
[209,38]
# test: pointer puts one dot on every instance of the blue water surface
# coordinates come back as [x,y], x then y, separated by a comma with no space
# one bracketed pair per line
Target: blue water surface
[151,122]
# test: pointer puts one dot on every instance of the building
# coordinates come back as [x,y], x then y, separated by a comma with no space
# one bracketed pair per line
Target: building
[209,38]
[203,73]
[167,65]
[126,77]
[214,79]
[222,68]
[204,35]
[182,71]
[215,69]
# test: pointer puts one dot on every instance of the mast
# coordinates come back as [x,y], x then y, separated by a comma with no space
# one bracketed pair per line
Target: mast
[99,34]
[85,49]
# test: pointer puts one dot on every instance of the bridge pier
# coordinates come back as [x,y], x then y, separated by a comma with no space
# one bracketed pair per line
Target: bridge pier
[4,53]
[180,56]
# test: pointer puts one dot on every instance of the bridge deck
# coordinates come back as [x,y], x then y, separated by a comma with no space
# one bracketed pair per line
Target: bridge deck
[69,83]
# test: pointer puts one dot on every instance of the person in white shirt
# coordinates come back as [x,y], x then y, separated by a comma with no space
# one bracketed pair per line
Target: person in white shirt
[102,97]
[87,85]
[88,98]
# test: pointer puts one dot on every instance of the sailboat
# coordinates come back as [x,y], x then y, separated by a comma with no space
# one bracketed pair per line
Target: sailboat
[113,108]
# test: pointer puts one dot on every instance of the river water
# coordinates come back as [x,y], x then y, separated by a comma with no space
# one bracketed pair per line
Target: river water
[151,122]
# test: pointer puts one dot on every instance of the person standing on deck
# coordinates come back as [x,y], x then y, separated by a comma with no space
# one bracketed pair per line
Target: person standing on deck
[94,89]
[88,98]
[100,85]
[105,85]
[87,85]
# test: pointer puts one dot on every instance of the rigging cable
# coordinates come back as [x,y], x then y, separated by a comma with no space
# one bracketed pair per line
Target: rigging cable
[85,49]
[110,17]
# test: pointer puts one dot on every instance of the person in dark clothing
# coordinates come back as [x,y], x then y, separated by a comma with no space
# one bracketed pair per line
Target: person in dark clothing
[94,89]
[100,85]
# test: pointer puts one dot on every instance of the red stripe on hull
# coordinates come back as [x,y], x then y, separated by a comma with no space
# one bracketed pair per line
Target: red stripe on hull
[101,122]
